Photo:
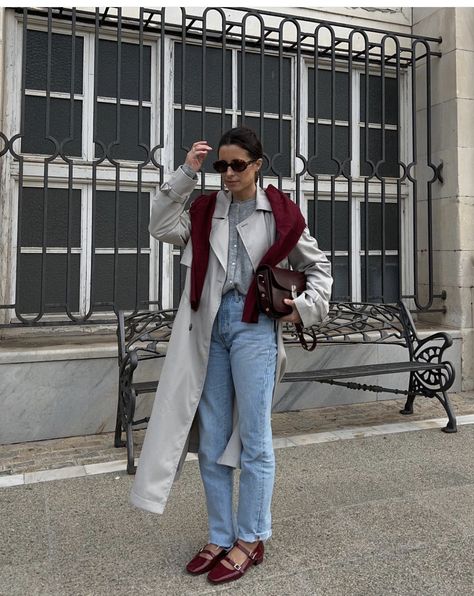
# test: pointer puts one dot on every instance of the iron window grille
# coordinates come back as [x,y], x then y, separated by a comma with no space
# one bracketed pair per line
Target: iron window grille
[109,103]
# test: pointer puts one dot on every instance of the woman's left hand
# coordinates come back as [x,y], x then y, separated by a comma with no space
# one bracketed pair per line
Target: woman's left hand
[294,316]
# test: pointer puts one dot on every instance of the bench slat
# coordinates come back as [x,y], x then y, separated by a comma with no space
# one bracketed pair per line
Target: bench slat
[145,387]
[359,371]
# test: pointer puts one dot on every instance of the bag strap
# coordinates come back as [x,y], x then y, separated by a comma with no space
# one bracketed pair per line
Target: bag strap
[301,336]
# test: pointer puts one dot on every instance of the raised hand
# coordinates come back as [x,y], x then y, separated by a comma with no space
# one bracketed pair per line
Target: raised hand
[197,154]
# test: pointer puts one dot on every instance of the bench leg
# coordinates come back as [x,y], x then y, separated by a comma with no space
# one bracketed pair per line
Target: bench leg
[124,422]
[118,442]
[131,468]
[128,420]
[408,409]
[451,427]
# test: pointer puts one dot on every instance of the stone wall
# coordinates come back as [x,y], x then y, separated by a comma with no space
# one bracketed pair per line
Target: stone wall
[65,389]
[452,104]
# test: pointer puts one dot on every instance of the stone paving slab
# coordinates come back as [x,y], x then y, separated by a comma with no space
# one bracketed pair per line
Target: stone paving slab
[339,527]
[92,449]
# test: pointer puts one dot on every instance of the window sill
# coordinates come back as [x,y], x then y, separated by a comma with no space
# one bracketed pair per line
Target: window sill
[53,348]
[44,349]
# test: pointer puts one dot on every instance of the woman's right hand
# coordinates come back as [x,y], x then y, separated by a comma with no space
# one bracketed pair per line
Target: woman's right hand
[197,154]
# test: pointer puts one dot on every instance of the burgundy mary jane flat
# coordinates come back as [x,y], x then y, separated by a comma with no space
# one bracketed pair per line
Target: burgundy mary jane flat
[200,564]
[221,574]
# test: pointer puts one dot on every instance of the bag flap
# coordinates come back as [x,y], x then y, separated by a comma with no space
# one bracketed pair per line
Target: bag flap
[285,278]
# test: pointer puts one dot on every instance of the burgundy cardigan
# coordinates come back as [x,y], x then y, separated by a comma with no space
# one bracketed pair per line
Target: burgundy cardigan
[289,222]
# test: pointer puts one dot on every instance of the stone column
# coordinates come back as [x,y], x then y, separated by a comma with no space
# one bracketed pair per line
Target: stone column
[452,101]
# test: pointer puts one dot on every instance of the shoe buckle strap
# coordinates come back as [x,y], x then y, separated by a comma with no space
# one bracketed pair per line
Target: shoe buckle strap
[250,554]
[235,565]
[212,554]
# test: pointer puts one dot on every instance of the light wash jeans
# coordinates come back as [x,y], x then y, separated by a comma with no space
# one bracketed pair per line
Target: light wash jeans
[242,362]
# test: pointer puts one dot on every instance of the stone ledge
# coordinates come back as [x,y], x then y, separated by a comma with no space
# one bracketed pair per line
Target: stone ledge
[51,349]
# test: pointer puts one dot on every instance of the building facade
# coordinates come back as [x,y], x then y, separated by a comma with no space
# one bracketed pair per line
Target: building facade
[366,122]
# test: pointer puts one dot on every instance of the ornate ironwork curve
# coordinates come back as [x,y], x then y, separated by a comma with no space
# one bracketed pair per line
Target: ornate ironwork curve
[144,332]
[361,322]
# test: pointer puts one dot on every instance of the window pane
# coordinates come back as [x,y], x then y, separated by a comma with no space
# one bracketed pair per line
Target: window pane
[375,279]
[29,273]
[319,157]
[129,70]
[273,83]
[129,137]
[34,140]
[61,61]
[192,132]
[193,76]
[340,273]
[179,277]
[103,280]
[31,224]
[323,224]
[375,99]
[324,98]
[104,232]
[271,144]
[389,168]
[375,226]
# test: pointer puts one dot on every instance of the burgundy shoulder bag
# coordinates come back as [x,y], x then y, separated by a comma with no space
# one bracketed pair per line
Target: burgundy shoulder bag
[274,284]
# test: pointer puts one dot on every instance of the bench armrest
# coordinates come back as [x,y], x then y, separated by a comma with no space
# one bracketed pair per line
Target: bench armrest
[429,348]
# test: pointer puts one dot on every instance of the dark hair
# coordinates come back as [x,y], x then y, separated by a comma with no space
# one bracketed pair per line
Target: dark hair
[245,138]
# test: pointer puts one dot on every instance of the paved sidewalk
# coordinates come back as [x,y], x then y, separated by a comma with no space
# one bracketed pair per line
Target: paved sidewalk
[94,449]
[391,514]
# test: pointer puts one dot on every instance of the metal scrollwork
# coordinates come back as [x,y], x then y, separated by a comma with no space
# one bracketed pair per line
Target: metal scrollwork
[141,337]
[428,382]
[362,322]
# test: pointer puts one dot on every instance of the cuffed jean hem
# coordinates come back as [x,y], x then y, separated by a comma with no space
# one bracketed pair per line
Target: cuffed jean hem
[219,543]
[254,537]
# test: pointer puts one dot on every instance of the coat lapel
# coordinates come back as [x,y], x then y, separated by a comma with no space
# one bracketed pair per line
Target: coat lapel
[219,236]
[258,231]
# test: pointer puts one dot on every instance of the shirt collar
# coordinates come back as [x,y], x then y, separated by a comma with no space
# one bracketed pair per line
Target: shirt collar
[224,200]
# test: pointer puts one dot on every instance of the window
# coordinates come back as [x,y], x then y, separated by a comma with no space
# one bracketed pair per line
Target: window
[88,123]
[58,116]
[58,286]
[217,106]
[103,115]
[328,124]
[355,193]
[118,104]
[342,179]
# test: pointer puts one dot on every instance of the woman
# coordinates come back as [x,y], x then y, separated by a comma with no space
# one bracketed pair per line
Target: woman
[224,357]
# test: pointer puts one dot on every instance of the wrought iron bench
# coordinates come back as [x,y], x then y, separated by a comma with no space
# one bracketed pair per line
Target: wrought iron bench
[143,336]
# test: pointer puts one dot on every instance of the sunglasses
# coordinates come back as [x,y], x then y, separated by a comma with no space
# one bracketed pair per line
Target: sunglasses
[237,165]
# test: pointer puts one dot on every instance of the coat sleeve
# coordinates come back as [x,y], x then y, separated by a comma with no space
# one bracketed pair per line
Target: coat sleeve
[169,222]
[313,304]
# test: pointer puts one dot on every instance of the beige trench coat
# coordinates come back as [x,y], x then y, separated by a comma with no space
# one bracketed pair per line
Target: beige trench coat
[171,432]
